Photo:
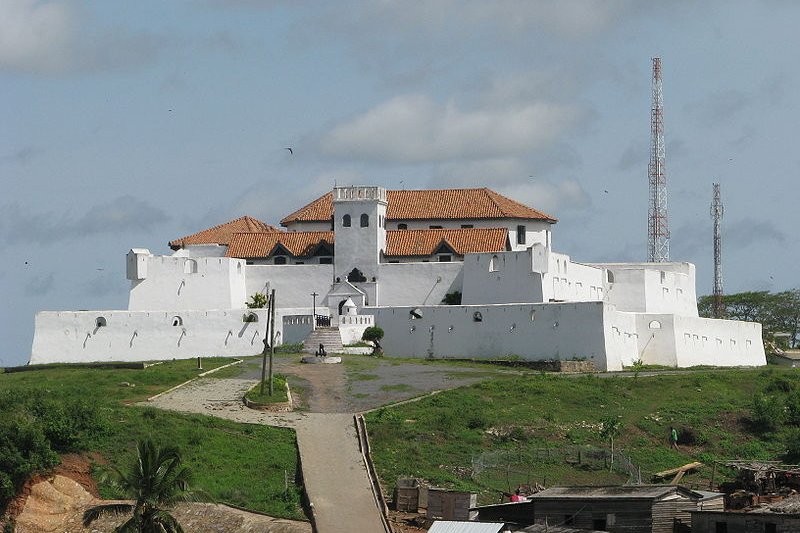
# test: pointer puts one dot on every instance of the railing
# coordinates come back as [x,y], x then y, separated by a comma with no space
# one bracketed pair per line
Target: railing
[360,320]
[322,321]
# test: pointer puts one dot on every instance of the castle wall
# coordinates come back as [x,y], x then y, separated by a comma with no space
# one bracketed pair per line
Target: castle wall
[652,287]
[183,283]
[74,337]
[293,284]
[417,283]
[531,331]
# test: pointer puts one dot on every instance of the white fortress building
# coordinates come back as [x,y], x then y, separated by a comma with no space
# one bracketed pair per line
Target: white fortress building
[458,273]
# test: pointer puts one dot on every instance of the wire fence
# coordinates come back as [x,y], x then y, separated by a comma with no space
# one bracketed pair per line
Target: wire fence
[528,466]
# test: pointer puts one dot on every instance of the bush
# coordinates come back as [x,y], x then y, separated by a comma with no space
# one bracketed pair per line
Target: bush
[34,428]
[767,411]
[372,334]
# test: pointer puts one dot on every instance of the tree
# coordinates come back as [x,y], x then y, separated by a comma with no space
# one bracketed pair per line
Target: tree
[612,427]
[257,301]
[156,481]
[374,334]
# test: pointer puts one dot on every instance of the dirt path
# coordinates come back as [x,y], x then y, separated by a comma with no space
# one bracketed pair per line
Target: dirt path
[334,472]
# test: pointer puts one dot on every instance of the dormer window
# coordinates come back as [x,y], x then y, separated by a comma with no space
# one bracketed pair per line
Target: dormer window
[346,221]
[402,226]
[364,220]
[520,234]
[280,260]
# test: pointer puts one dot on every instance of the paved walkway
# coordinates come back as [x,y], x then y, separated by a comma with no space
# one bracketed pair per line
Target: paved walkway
[334,472]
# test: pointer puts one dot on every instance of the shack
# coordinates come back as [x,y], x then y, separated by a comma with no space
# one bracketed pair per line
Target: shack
[628,509]
[778,517]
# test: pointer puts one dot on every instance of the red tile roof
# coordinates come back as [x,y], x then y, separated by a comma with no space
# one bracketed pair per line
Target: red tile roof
[424,242]
[262,244]
[222,234]
[431,205]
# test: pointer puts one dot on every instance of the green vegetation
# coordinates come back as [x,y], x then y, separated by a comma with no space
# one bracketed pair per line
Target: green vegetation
[374,334]
[278,388]
[155,481]
[241,464]
[258,300]
[437,438]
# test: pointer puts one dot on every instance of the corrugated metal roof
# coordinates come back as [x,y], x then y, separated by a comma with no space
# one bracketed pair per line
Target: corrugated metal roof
[445,526]
[616,491]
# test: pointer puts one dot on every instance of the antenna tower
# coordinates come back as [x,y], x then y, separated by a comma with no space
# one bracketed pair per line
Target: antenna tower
[657,224]
[716,214]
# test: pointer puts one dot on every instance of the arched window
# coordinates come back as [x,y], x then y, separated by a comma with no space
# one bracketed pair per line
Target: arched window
[100,322]
[280,260]
[402,226]
[364,220]
[655,324]
[609,276]
[346,221]
[493,264]
[190,266]
[177,321]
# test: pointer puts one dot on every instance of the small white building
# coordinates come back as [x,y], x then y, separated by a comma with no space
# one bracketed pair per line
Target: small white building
[359,256]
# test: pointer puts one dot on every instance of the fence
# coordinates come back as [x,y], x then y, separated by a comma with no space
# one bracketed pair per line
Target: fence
[528,466]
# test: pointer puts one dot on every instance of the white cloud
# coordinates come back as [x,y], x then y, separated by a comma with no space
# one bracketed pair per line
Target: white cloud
[414,129]
[549,196]
[35,35]
[58,37]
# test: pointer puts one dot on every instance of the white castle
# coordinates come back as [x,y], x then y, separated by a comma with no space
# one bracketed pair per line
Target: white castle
[361,256]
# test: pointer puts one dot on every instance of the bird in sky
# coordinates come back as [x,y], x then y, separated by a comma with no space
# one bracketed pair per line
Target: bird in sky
[290,150]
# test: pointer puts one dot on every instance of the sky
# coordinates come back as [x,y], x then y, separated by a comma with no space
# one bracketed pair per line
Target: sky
[129,124]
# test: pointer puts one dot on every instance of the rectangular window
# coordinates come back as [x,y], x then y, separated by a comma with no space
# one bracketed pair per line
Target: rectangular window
[467,226]
[520,234]
[394,261]
[326,260]
[445,258]
[435,227]
[300,263]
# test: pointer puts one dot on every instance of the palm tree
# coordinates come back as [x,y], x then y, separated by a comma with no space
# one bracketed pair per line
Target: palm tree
[155,481]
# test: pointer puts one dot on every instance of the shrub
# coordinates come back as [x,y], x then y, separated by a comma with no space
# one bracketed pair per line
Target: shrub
[372,334]
[766,411]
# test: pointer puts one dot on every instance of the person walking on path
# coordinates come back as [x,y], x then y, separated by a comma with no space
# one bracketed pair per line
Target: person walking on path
[673,438]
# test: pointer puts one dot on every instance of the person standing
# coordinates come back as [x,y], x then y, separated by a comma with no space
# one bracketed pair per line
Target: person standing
[673,437]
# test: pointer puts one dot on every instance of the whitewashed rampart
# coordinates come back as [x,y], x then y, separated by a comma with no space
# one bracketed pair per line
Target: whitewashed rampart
[417,283]
[75,337]
[652,287]
[530,331]
[293,284]
[183,283]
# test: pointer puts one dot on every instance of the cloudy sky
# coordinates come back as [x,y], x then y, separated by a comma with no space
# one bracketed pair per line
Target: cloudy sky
[129,124]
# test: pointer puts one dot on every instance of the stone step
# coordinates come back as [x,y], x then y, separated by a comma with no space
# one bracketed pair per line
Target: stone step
[328,337]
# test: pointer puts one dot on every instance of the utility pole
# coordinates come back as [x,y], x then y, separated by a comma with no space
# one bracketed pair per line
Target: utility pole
[314,310]
[271,338]
[657,221]
[717,211]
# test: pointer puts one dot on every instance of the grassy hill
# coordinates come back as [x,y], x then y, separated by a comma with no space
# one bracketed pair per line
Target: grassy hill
[89,409]
[497,434]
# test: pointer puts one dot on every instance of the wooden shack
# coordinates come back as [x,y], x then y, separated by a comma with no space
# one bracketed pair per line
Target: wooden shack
[629,509]
[446,504]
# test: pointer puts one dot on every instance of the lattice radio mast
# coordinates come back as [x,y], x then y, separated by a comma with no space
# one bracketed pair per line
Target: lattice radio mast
[716,214]
[658,224]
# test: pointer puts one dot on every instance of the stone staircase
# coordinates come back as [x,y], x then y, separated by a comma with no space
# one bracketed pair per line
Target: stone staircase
[328,336]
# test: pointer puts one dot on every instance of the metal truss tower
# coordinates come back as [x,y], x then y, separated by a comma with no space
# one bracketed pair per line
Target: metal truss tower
[716,214]
[658,223]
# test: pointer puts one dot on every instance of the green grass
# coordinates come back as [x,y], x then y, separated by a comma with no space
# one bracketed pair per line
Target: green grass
[436,438]
[399,387]
[241,464]
[278,389]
